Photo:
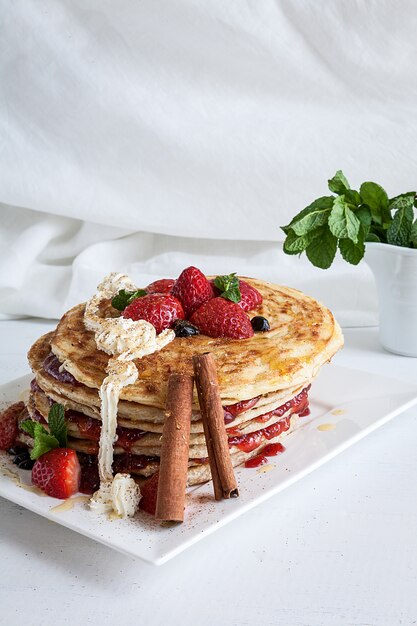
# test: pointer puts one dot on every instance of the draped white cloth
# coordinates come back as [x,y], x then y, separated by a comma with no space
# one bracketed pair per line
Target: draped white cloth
[147,136]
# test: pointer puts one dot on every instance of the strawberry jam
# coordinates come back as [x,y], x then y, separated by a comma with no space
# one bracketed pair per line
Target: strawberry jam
[273,449]
[90,480]
[233,410]
[54,368]
[256,461]
[298,404]
[90,427]
[250,441]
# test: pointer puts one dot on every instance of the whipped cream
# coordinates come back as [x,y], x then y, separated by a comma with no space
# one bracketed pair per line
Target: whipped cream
[121,495]
[125,340]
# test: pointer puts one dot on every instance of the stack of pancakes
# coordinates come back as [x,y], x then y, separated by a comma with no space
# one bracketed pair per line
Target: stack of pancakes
[264,382]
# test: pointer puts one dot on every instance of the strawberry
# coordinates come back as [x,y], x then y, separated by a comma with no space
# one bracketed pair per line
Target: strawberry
[222,318]
[149,492]
[57,473]
[157,309]
[193,289]
[8,425]
[250,297]
[164,285]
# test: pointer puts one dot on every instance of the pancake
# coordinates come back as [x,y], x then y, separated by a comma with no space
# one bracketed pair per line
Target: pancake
[263,381]
[86,400]
[304,335]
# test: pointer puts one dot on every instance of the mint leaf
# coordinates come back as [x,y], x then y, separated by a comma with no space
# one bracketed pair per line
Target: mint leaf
[353,252]
[28,426]
[364,216]
[352,197]
[123,298]
[399,231]
[294,244]
[372,237]
[313,216]
[229,287]
[338,184]
[343,222]
[413,234]
[43,442]
[403,201]
[57,426]
[375,197]
[322,250]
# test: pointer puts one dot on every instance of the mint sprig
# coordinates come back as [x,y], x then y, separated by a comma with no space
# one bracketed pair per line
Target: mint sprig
[347,220]
[44,441]
[123,298]
[229,287]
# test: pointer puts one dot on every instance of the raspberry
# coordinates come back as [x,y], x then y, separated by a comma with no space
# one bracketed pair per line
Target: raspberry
[222,318]
[193,289]
[159,310]
[8,425]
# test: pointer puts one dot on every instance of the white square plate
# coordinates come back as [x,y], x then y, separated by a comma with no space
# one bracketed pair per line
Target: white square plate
[346,405]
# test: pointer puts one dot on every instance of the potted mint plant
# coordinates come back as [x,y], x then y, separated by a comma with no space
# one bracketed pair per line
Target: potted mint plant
[366,223]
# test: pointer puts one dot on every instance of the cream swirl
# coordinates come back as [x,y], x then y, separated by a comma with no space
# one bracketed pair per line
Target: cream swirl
[125,340]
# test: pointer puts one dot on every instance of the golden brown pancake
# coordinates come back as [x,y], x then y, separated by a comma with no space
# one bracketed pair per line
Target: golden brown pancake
[303,336]
[272,367]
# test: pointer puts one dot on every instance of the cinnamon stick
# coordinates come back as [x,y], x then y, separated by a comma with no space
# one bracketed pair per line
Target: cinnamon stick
[212,414]
[173,468]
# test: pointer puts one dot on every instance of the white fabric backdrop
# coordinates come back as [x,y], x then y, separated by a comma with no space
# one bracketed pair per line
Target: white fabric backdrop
[148,136]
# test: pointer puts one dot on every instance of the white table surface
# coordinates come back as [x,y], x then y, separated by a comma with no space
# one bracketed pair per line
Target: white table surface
[338,547]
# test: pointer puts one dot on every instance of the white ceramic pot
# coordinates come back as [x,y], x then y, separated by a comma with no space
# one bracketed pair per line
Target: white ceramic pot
[395,271]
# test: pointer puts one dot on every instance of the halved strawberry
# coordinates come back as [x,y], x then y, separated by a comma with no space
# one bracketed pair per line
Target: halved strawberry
[222,318]
[164,285]
[149,492]
[250,297]
[9,425]
[159,310]
[57,473]
[193,289]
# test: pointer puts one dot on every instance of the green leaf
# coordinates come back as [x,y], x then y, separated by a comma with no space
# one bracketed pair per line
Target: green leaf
[338,184]
[364,216]
[403,201]
[372,237]
[352,197]
[322,250]
[313,216]
[353,252]
[343,222]
[413,234]
[43,442]
[123,298]
[375,197]
[229,286]
[399,231]
[56,422]
[28,426]
[294,244]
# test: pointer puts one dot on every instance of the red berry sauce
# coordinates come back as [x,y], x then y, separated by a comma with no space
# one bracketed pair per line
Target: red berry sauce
[271,449]
[53,367]
[233,410]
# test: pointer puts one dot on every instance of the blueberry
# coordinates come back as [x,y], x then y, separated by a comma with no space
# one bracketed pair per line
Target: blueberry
[260,324]
[26,465]
[182,328]
[19,458]
[16,450]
